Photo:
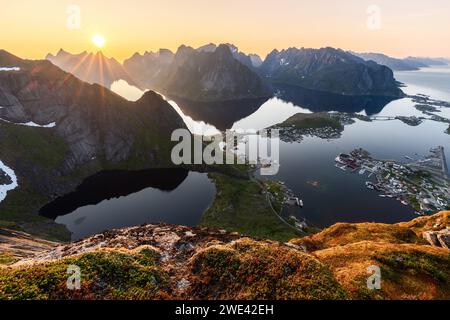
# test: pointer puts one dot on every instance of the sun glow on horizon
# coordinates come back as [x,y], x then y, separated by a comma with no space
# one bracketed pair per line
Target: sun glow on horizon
[408,27]
[98,40]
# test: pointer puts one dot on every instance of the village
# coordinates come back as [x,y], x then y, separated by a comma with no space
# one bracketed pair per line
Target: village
[423,184]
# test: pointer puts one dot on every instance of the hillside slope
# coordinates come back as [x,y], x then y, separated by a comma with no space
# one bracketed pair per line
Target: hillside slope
[167,262]
[56,130]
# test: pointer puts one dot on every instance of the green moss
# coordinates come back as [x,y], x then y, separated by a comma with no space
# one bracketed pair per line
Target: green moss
[398,264]
[241,207]
[38,145]
[255,271]
[105,275]
[34,153]
[19,211]
[6,258]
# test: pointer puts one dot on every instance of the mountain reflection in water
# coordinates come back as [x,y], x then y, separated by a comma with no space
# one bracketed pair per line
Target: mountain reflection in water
[114,184]
[222,114]
[317,101]
[226,115]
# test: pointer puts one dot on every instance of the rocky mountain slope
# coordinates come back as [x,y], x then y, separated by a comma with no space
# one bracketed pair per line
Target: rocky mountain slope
[206,74]
[251,60]
[55,130]
[150,68]
[330,70]
[91,67]
[174,262]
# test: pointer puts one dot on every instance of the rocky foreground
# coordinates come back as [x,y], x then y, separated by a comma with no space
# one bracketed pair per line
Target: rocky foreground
[173,262]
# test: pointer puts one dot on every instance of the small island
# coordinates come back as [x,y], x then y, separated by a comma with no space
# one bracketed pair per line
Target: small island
[324,125]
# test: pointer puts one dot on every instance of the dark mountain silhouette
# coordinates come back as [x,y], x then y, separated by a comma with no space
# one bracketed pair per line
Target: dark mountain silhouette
[207,74]
[329,70]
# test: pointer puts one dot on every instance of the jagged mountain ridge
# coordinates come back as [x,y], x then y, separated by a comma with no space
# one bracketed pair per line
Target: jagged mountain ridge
[251,60]
[206,74]
[212,76]
[148,69]
[330,70]
[91,67]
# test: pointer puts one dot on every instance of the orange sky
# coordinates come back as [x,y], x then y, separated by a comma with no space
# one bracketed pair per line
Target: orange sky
[31,28]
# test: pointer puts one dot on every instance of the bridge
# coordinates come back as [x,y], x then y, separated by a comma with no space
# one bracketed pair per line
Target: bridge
[383,118]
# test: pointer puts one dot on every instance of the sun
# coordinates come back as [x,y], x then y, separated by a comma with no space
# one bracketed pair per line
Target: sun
[98,40]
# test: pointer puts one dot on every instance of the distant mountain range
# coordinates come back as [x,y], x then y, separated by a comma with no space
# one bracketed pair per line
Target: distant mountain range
[329,70]
[213,73]
[91,67]
[407,64]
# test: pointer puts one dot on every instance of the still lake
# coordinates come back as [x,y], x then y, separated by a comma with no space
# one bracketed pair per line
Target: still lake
[330,195]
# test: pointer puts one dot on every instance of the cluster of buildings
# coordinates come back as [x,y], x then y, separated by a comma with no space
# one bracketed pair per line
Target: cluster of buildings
[294,134]
[423,184]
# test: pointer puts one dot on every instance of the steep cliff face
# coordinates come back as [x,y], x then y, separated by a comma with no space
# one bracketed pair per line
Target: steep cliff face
[251,60]
[167,262]
[330,70]
[56,129]
[150,68]
[213,76]
[207,74]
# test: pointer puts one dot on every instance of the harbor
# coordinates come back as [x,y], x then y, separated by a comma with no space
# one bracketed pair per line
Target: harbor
[423,184]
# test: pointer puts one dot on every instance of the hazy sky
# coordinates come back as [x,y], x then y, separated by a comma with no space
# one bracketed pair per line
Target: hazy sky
[32,28]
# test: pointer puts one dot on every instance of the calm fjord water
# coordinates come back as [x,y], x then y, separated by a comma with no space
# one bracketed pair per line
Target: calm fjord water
[330,195]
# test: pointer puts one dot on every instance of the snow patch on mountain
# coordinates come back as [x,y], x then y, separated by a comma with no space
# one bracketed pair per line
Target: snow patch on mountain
[32,124]
[7,187]
[9,69]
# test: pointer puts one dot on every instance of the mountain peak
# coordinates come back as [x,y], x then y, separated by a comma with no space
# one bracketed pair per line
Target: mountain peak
[210,47]
[224,51]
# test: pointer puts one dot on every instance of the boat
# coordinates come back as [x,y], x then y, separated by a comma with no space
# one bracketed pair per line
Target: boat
[343,158]
[370,185]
